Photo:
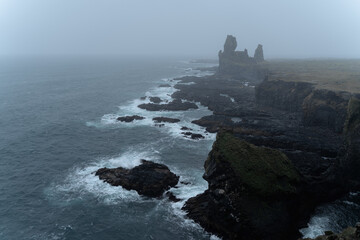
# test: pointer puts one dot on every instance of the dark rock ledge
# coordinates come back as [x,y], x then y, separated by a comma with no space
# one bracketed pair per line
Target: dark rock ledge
[175,105]
[149,179]
[129,118]
[165,119]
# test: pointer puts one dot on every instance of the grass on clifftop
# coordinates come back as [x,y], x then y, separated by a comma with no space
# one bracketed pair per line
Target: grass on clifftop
[336,74]
[266,171]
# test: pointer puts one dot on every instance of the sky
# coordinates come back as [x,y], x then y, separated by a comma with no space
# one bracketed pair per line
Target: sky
[286,28]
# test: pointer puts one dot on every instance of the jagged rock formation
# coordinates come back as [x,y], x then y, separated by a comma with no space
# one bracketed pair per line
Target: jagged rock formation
[238,62]
[148,179]
[259,54]
[130,118]
[254,192]
[319,107]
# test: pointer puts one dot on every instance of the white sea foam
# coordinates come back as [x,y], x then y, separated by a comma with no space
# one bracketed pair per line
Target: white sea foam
[351,204]
[225,95]
[317,226]
[82,181]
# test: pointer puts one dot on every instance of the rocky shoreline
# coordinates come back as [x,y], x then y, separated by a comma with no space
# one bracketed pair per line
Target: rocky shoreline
[282,148]
[307,127]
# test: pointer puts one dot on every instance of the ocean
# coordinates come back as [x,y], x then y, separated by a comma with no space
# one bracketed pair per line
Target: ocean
[58,126]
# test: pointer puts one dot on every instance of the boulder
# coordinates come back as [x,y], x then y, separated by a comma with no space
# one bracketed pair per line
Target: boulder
[129,118]
[149,179]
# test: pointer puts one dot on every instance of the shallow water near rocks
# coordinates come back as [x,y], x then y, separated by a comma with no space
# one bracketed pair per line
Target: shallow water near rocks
[58,126]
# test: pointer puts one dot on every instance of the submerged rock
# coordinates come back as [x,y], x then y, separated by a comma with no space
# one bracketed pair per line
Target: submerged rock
[148,179]
[165,119]
[165,85]
[130,118]
[175,105]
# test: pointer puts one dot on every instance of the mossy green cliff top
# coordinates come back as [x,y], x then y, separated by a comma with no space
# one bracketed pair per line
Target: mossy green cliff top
[260,170]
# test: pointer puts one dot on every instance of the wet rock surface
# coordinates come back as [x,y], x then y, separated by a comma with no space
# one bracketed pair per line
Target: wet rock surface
[130,118]
[175,105]
[303,124]
[149,179]
[155,99]
[165,119]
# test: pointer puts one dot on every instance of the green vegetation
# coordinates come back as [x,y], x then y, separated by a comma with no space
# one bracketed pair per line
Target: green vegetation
[266,171]
[336,75]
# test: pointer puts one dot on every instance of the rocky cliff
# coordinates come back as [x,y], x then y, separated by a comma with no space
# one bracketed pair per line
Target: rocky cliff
[239,63]
[319,107]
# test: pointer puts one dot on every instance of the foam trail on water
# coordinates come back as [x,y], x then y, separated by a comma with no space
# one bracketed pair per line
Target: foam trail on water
[82,181]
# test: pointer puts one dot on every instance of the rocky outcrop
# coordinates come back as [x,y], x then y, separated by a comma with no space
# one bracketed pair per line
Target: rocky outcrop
[194,136]
[350,155]
[130,118]
[155,99]
[350,233]
[165,119]
[252,192]
[288,96]
[238,63]
[325,108]
[259,54]
[319,107]
[175,105]
[259,192]
[148,179]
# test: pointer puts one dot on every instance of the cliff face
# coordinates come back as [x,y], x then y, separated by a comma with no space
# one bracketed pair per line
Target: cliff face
[322,108]
[350,157]
[325,108]
[288,96]
[254,192]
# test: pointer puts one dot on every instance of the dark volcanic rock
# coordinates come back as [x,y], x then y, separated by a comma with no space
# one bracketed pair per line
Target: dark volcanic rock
[185,129]
[252,192]
[155,99]
[326,108]
[196,136]
[238,62]
[350,159]
[172,197]
[175,105]
[165,119]
[148,179]
[283,95]
[130,118]
[214,122]
[257,192]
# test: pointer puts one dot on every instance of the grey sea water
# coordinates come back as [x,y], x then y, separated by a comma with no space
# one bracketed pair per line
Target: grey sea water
[58,125]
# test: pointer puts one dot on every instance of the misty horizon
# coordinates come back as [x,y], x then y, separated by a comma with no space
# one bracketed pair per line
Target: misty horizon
[306,29]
